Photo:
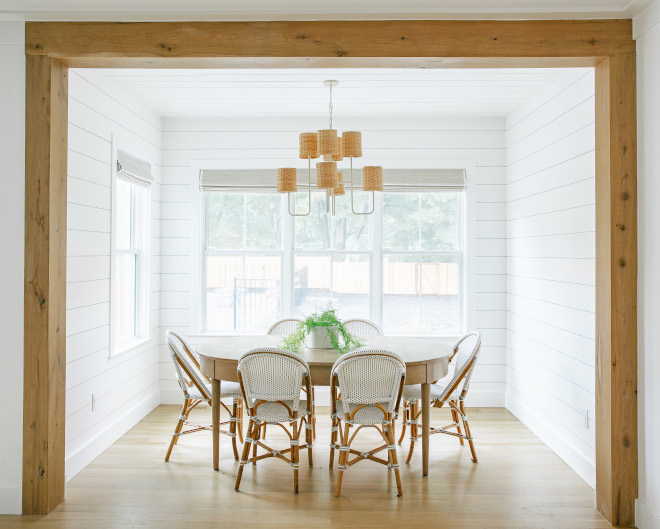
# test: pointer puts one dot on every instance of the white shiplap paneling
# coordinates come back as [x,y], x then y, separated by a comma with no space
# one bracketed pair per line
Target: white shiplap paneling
[126,385]
[551,263]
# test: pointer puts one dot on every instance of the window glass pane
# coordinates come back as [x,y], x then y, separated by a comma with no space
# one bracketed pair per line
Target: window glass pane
[242,292]
[262,221]
[311,283]
[313,230]
[124,215]
[440,304]
[439,221]
[125,296]
[401,221]
[401,303]
[351,232]
[350,285]
[224,220]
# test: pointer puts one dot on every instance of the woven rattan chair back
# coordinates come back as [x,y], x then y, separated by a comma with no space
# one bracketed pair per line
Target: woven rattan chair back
[284,327]
[369,377]
[466,352]
[358,327]
[271,374]
[186,366]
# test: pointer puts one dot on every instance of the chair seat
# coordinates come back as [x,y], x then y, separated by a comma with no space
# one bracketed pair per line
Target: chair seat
[227,390]
[275,412]
[414,392]
[368,416]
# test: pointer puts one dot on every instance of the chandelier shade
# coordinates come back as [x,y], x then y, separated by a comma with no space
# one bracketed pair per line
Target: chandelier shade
[327,141]
[372,178]
[287,180]
[339,189]
[352,144]
[308,145]
[326,175]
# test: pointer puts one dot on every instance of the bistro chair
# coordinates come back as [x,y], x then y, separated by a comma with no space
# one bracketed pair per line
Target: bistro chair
[196,390]
[284,328]
[466,352]
[359,327]
[370,382]
[270,381]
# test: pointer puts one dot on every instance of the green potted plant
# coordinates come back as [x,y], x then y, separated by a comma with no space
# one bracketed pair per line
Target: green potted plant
[321,331]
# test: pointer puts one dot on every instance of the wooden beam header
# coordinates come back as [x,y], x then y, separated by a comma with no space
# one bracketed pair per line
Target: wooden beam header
[352,39]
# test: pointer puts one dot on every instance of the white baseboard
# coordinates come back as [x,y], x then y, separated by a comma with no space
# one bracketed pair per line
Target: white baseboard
[555,440]
[645,518]
[476,398]
[103,440]
[11,500]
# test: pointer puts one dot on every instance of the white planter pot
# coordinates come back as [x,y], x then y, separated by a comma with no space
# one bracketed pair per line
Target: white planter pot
[318,338]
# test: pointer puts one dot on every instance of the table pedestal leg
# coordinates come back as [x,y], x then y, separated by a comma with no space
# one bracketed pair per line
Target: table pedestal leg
[426,426]
[215,414]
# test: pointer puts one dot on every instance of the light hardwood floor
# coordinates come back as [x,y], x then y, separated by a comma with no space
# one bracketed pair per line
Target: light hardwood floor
[518,483]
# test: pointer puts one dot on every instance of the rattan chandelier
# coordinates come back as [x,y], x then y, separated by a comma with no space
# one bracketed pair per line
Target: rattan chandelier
[327,143]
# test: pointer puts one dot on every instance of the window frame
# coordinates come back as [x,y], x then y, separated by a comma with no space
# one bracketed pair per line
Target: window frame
[140,247]
[467,259]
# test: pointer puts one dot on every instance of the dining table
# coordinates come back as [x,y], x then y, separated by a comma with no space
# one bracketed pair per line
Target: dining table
[426,358]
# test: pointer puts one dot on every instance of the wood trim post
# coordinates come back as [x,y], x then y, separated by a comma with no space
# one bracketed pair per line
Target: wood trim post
[616,289]
[46,124]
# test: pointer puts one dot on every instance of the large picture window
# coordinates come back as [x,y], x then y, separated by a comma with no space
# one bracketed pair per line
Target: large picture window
[400,267]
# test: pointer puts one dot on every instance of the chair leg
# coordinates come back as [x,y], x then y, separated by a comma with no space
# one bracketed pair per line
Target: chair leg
[232,427]
[343,456]
[309,438]
[333,440]
[393,458]
[244,456]
[178,428]
[313,414]
[468,433]
[257,435]
[404,420]
[454,416]
[413,429]
[294,456]
[239,422]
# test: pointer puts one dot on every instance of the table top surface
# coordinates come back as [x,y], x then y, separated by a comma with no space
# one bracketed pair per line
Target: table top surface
[413,349]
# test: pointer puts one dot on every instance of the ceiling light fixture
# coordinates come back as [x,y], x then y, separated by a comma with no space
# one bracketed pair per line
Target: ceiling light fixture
[334,148]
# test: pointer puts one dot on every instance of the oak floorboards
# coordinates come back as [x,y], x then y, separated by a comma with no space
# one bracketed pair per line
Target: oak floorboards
[518,483]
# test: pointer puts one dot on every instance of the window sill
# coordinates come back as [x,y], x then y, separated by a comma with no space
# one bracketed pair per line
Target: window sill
[128,346]
[220,334]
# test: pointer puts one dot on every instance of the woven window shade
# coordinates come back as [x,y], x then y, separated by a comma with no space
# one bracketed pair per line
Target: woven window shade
[394,180]
[133,170]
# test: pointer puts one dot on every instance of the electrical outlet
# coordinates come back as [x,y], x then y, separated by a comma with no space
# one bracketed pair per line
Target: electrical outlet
[94,400]
[585,421]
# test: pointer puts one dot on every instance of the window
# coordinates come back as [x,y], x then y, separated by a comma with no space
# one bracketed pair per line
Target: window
[400,267]
[243,260]
[129,322]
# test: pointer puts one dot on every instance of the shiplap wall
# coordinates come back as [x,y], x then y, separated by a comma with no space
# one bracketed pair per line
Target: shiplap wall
[404,142]
[126,385]
[551,268]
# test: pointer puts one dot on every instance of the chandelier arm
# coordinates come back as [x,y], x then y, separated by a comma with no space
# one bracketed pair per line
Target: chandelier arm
[309,193]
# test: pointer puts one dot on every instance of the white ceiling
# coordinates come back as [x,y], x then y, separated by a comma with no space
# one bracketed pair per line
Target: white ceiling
[301,92]
[316,9]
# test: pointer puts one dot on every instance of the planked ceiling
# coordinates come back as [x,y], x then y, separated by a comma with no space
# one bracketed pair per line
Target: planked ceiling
[319,10]
[296,91]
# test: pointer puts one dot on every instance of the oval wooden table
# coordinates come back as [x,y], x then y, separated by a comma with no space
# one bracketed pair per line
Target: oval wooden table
[426,360]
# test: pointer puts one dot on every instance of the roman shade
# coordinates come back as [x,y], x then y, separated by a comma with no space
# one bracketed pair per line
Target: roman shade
[133,170]
[394,180]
